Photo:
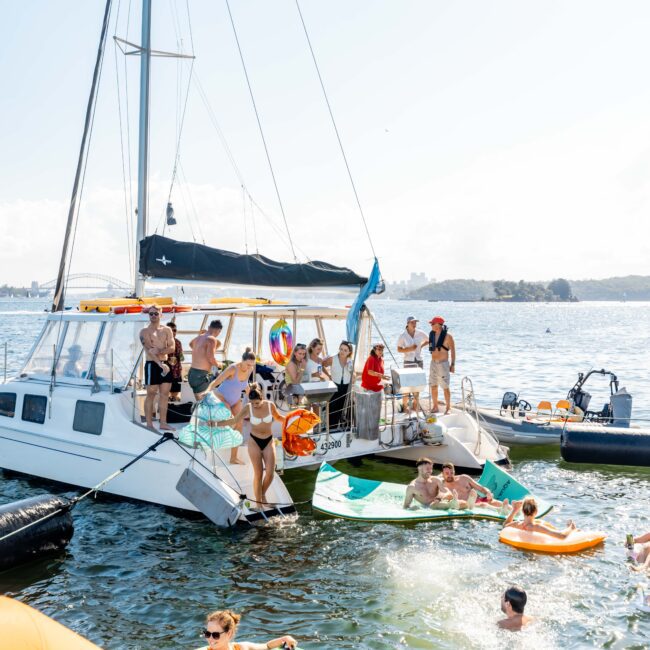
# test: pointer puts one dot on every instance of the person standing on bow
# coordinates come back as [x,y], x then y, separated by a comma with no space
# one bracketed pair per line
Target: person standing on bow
[410,344]
[261,450]
[231,385]
[158,342]
[340,368]
[441,346]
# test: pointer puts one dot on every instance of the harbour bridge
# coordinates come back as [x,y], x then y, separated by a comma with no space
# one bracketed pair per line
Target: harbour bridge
[89,281]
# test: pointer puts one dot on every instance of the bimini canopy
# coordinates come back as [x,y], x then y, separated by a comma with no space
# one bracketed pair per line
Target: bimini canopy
[168,259]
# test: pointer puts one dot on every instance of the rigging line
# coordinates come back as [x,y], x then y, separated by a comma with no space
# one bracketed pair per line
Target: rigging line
[224,143]
[119,112]
[338,137]
[59,293]
[194,210]
[259,124]
[257,248]
[243,201]
[182,190]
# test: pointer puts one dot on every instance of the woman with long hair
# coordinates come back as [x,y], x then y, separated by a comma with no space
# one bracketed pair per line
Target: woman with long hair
[294,373]
[261,450]
[230,385]
[373,370]
[220,630]
[342,373]
[315,367]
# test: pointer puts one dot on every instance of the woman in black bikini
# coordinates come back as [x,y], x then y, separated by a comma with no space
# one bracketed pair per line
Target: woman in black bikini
[261,449]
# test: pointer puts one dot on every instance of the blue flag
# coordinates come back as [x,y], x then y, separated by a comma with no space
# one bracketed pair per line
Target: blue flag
[374,285]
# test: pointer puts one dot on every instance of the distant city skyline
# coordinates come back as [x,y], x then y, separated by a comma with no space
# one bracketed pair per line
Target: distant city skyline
[487,140]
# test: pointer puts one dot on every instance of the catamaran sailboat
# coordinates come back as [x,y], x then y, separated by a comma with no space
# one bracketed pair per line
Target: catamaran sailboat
[79,427]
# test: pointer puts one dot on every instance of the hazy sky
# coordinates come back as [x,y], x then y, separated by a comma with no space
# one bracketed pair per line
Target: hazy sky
[487,139]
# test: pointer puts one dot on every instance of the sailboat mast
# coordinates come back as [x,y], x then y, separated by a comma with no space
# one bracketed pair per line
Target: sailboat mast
[143,146]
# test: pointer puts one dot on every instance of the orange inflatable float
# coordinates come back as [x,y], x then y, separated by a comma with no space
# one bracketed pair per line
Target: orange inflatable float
[296,424]
[577,540]
[25,628]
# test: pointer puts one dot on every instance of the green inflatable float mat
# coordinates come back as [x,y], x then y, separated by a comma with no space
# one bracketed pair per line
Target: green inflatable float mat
[348,497]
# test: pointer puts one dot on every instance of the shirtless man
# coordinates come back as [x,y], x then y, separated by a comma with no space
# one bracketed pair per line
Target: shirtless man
[430,491]
[157,341]
[441,346]
[513,602]
[203,349]
[468,488]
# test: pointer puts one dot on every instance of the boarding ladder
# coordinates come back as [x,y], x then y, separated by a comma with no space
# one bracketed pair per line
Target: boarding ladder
[469,407]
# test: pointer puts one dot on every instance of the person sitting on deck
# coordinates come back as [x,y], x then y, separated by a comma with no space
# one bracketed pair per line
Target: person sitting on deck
[221,628]
[430,491]
[529,509]
[513,602]
[72,367]
[465,486]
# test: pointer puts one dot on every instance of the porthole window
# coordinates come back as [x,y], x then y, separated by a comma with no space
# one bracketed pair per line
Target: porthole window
[89,417]
[34,408]
[7,404]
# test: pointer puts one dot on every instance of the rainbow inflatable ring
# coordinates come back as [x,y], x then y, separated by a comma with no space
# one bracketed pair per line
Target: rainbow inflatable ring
[281,342]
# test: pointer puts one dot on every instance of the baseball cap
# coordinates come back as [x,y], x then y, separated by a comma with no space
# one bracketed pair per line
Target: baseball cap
[437,320]
[411,318]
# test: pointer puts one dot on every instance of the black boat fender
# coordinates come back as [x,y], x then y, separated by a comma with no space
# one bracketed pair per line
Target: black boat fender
[605,447]
[32,527]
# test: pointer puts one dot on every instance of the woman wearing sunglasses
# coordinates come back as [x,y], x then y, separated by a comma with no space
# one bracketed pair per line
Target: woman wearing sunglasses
[220,630]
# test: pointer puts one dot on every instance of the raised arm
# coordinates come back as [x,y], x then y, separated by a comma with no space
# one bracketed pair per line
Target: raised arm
[516,508]
[226,374]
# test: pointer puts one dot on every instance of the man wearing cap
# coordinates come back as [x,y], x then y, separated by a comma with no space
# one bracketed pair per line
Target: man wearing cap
[410,344]
[441,345]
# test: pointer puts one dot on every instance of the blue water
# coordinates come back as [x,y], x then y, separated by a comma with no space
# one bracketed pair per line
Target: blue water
[138,576]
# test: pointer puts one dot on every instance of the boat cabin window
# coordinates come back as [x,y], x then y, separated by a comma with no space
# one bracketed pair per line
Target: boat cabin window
[7,404]
[89,417]
[120,341]
[42,358]
[34,408]
[77,349]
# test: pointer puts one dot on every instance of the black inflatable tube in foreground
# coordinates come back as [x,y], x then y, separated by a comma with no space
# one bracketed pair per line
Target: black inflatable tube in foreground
[606,448]
[47,536]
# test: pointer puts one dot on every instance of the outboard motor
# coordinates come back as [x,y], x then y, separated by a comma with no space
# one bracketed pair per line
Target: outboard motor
[621,407]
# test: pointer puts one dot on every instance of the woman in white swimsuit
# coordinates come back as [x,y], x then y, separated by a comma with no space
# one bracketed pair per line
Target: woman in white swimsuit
[261,449]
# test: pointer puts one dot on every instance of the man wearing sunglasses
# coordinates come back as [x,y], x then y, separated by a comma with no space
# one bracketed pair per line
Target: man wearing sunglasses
[158,342]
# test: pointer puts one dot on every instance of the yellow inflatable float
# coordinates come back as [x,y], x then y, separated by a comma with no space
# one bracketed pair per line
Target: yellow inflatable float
[577,540]
[24,628]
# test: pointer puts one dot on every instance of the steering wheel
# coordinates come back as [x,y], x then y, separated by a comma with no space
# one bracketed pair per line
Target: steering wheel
[526,406]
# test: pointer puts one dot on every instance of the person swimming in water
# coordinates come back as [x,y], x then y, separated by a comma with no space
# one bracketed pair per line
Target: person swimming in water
[528,507]
[513,602]
[641,557]
[220,630]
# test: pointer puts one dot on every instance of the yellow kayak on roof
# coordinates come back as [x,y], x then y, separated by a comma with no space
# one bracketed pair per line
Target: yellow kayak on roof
[104,305]
[247,301]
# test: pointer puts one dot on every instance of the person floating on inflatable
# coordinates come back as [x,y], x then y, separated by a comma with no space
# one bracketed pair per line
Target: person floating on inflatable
[221,628]
[638,550]
[528,507]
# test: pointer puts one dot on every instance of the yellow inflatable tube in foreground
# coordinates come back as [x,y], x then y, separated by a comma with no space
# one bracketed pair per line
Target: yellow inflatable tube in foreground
[577,540]
[25,628]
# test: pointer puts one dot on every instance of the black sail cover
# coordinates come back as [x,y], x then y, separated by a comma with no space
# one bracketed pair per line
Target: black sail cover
[169,259]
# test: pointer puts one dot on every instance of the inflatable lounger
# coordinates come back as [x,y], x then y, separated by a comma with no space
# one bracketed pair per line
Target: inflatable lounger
[576,541]
[339,495]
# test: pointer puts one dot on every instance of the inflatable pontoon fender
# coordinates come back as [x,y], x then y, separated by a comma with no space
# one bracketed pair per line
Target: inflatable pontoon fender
[51,534]
[606,448]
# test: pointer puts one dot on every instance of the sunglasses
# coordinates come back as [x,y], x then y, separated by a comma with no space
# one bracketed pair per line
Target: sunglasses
[215,635]
[153,313]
